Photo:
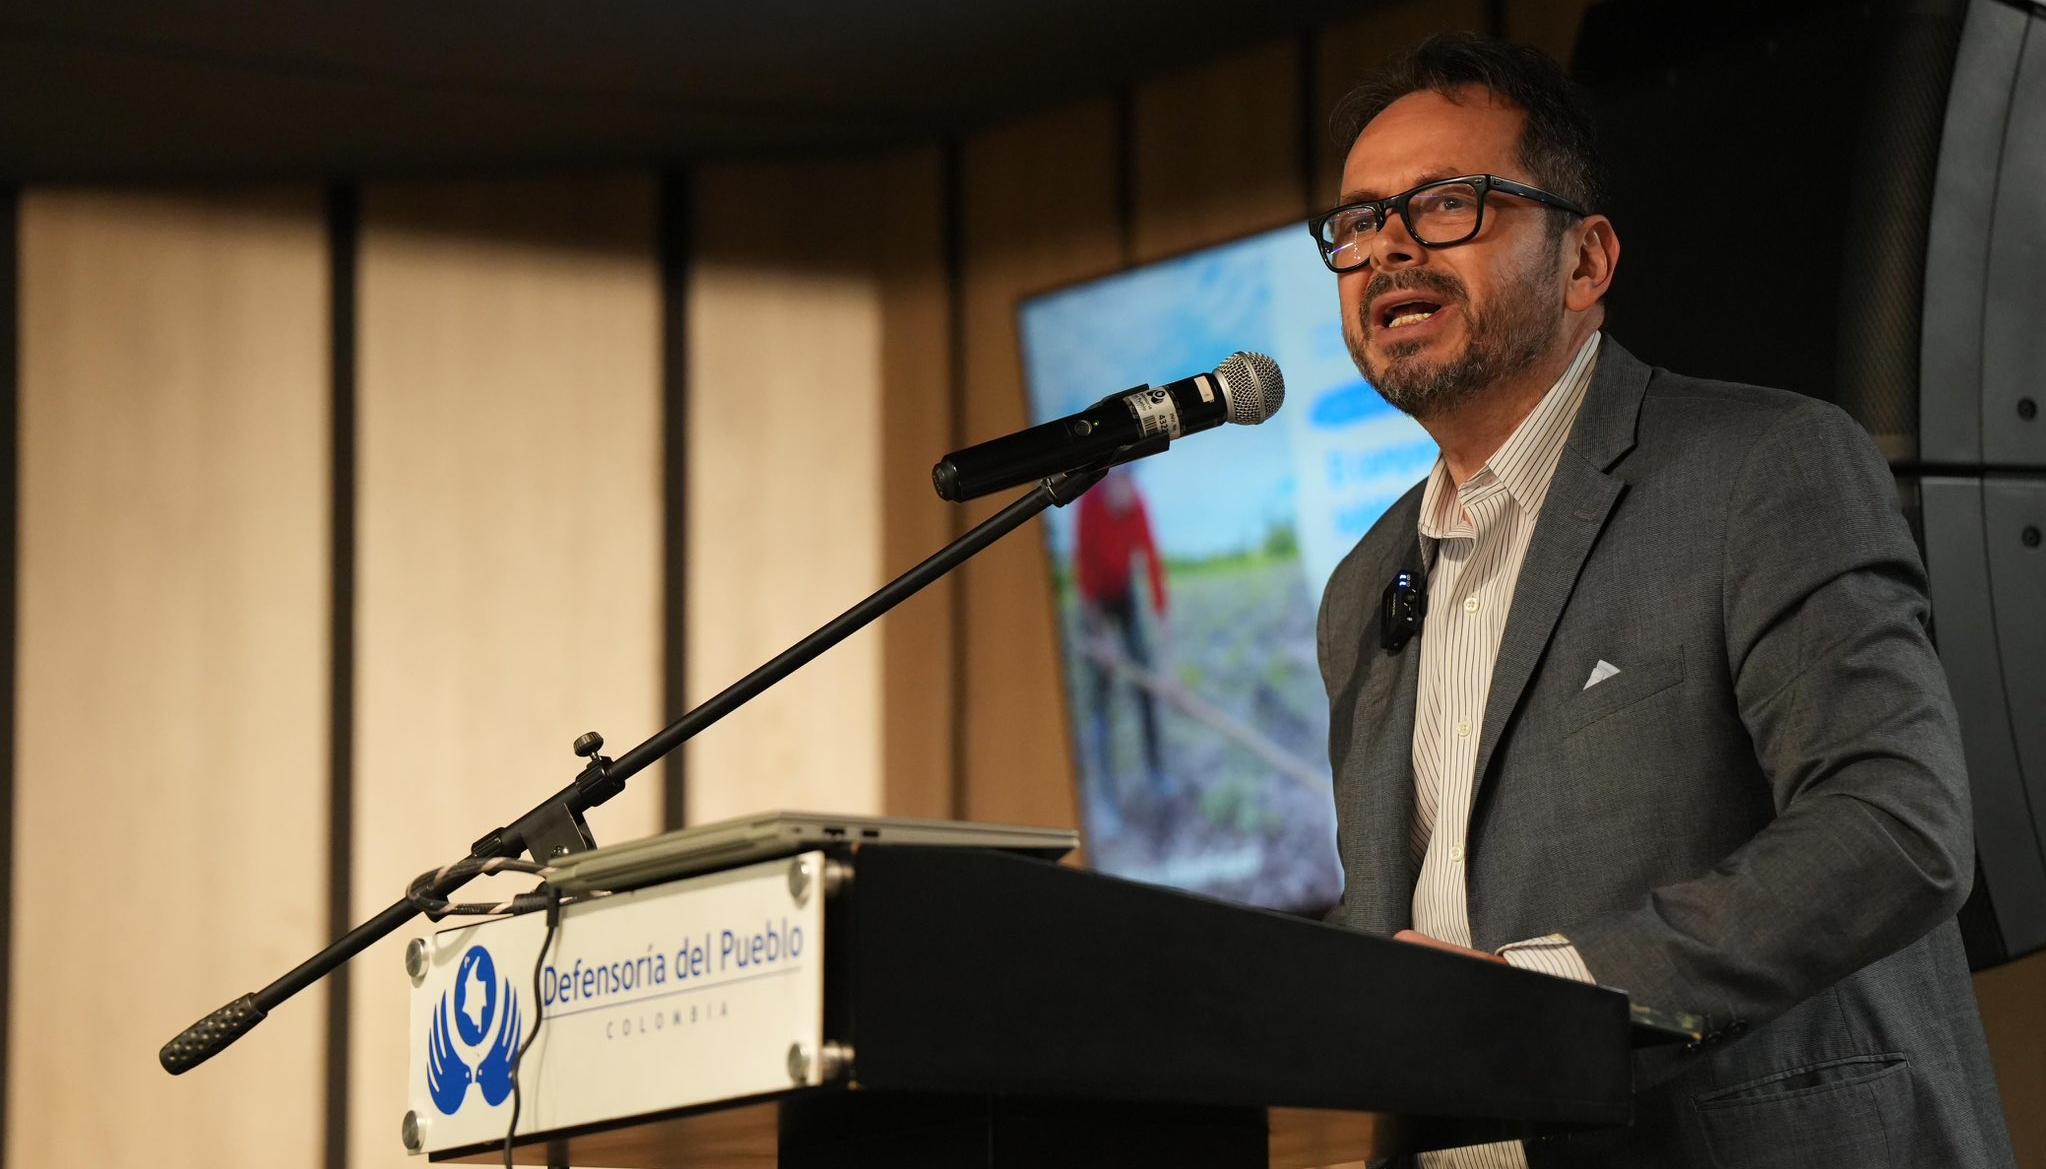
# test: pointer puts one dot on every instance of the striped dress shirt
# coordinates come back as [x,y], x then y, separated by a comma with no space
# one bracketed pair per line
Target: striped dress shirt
[1476,536]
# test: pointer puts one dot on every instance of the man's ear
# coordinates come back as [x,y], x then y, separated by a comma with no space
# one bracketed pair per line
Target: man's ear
[1593,251]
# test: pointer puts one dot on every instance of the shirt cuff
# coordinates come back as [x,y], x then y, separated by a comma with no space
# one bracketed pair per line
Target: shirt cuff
[1552,954]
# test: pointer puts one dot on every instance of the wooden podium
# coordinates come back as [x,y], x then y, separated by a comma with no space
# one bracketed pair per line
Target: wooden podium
[990,1010]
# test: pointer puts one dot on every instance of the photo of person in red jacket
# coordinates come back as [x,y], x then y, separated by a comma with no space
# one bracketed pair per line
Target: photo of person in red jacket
[1114,535]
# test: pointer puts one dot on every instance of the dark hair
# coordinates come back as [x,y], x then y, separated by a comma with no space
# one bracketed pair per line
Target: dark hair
[1558,146]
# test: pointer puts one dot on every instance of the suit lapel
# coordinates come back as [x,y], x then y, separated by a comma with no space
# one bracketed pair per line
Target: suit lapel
[1377,783]
[1581,496]
[1387,788]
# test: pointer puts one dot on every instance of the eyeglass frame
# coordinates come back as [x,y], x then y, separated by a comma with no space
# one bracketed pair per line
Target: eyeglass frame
[1485,185]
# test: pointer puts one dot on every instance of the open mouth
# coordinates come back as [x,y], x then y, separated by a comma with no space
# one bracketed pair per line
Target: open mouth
[1402,313]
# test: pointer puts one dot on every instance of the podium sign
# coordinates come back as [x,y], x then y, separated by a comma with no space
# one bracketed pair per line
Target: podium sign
[979,1010]
[699,990]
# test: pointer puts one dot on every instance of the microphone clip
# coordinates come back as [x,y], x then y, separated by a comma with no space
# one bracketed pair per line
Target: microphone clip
[1400,611]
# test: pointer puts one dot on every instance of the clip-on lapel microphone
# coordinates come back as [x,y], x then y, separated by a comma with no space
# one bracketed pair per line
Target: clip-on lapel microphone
[1400,610]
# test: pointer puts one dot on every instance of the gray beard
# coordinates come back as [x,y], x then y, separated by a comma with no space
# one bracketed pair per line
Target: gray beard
[1509,339]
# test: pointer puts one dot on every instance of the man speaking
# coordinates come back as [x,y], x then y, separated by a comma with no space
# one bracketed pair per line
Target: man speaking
[1659,709]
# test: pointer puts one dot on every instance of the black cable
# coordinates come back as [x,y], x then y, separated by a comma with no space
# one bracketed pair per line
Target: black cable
[420,893]
[548,897]
[553,896]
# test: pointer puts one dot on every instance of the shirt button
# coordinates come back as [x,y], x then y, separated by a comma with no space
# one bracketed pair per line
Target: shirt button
[1456,853]
[1463,729]
[1470,604]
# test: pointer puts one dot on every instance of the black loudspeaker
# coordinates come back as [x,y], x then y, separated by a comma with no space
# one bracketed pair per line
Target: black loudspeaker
[1849,200]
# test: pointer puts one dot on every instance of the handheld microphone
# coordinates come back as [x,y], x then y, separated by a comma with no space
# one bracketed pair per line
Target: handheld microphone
[1245,389]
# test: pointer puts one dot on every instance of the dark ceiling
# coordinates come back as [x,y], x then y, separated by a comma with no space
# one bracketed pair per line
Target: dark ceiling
[191,88]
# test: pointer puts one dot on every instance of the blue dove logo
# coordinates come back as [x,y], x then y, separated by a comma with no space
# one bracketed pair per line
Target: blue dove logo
[480,999]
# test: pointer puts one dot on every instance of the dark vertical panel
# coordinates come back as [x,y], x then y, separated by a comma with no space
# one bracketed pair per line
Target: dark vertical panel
[674,232]
[10,399]
[343,236]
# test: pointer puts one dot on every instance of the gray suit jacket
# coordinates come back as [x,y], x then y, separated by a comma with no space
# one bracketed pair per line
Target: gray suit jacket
[1762,819]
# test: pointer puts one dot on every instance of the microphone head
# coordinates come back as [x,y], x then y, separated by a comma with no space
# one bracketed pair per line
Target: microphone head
[1253,387]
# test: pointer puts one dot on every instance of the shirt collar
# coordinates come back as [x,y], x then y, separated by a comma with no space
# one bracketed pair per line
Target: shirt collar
[1525,463]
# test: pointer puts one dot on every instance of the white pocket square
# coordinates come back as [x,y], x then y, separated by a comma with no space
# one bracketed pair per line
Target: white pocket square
[1600,672]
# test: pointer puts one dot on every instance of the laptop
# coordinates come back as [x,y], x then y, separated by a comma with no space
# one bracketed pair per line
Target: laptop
[729,843]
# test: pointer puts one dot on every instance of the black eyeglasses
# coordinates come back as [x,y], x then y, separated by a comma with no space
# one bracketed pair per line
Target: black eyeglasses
[1438,215]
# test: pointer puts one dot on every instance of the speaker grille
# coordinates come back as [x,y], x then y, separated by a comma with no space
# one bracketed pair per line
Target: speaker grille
[1772,180]
[1888,208]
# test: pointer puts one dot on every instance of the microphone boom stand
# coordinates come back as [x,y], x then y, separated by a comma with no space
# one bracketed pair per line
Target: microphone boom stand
[555,826]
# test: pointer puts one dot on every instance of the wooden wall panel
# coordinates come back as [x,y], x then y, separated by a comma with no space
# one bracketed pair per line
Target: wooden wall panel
[917,427]
[508,524]
[2013,999]
[1549,25]
[10,609]
[1040,209]
[1215,153]
[172,703]
[785,531]
[819,374]
[1350,49]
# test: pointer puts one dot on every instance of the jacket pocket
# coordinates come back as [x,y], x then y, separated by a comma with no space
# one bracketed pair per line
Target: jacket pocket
[1632,684]
[1824,1115]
